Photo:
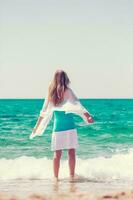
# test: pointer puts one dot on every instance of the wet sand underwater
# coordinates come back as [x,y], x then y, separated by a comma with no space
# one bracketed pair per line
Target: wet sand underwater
[82,189]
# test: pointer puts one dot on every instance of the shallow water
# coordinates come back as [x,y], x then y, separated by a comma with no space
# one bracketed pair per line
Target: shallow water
[27,187]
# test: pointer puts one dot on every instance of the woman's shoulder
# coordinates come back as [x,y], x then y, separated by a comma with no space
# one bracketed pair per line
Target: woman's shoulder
[68,90]
[69,94]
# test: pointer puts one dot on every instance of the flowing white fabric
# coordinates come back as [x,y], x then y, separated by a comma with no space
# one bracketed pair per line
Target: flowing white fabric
[70,104]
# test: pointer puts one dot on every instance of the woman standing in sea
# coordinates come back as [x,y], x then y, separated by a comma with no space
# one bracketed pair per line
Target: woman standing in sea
[62,103]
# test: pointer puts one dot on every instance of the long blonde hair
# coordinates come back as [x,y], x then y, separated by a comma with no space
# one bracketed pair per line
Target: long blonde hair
[58,86]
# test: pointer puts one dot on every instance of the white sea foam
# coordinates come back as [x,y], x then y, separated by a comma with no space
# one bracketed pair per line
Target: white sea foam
[119,166]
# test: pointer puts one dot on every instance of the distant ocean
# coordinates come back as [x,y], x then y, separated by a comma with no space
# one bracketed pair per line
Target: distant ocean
[105,152]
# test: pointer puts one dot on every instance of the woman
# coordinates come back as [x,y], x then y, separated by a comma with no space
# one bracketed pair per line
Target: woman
[62,103]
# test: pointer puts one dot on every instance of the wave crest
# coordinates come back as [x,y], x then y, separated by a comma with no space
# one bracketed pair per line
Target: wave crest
[118,166]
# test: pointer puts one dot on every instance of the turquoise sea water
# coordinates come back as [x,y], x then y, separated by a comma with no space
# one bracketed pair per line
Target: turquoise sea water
[104,145]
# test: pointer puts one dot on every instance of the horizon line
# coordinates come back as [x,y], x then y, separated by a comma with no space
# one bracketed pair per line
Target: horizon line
[131,98]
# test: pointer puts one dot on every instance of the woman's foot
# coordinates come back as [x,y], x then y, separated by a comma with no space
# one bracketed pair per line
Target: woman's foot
[76,178]
[55,180]
[72,178]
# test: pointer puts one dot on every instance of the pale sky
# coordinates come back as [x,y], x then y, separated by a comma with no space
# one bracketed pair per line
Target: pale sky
[92,40]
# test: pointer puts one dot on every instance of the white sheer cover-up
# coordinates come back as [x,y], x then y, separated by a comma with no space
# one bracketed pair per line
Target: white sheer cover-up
[70,104]
[67,139]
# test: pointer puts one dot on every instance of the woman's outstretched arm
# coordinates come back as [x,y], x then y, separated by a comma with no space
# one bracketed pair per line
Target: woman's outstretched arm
[73,98]
[42,112]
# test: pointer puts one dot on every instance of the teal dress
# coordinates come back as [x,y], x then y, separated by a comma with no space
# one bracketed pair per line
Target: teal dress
[62,121]
[64,135]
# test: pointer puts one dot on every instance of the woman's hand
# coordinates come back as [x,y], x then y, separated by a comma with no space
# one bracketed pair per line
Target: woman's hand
[89,118]
[37,125]
[34,130]
[33,134]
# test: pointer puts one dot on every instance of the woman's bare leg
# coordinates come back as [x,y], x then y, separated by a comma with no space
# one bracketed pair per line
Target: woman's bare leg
[56,163]
[71,161]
